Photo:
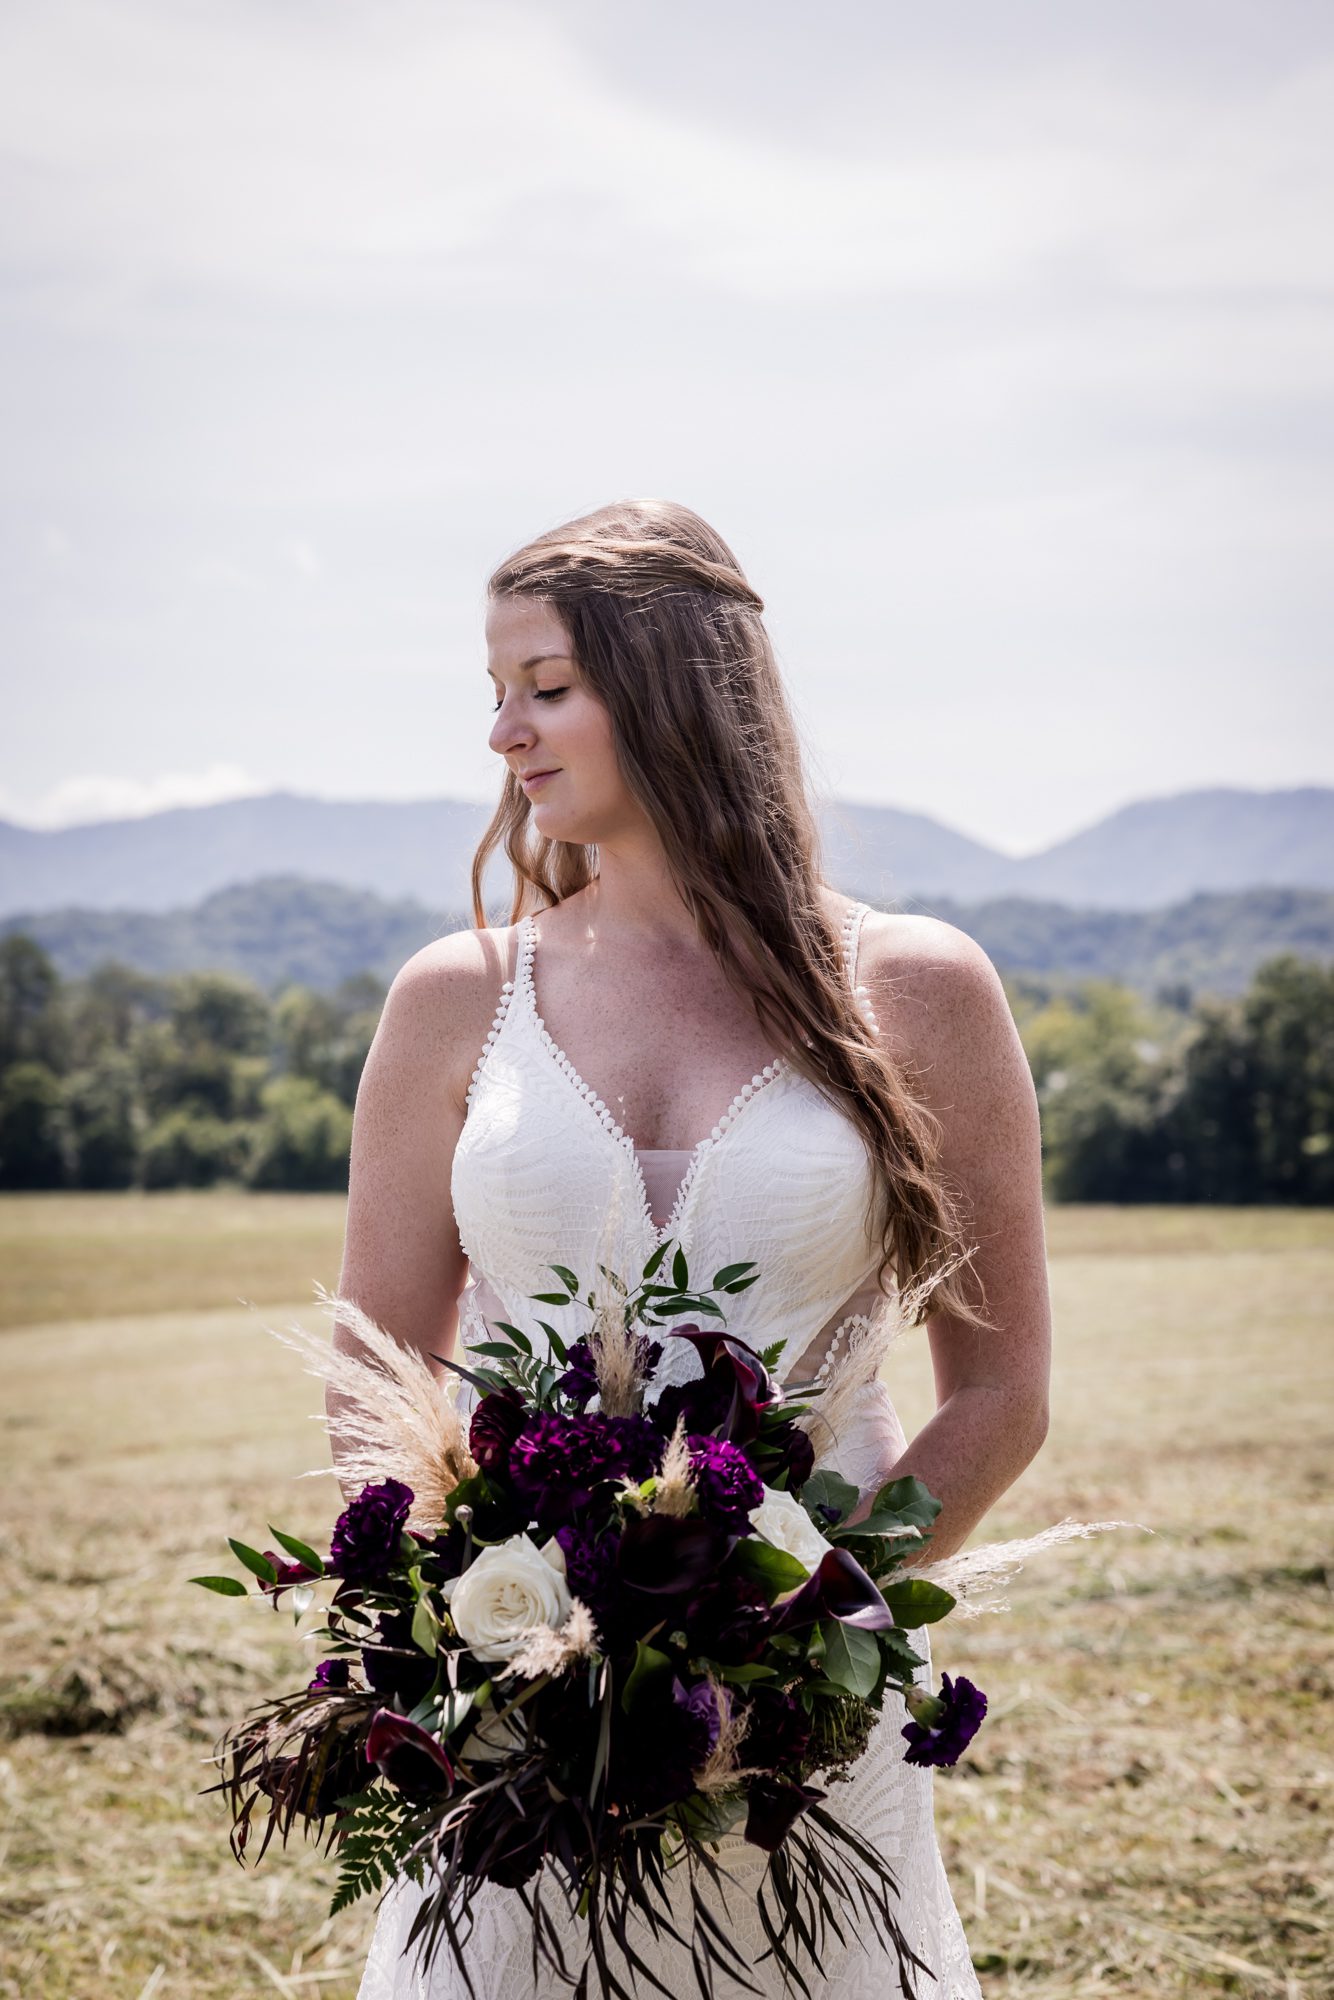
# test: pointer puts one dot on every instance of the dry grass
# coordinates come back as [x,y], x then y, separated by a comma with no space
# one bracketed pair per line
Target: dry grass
[1145,1814]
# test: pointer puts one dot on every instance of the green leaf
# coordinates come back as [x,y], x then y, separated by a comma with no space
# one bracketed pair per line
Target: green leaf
[748,1670]
[648,1662]
[851,1657]
[614,1279]
[257,1564]
[558,1347]
[907,1502]
[730,1272]
[828,1489]
[741,1285]
[567,1278]
[499,1350]
[680,1271]
[299,1551]
[654,1263]
[226,1586]
[516,1334]
[774,1568]
[771,1356]
[900,1652]
[425,1628]
[553,1298]
[916,1602]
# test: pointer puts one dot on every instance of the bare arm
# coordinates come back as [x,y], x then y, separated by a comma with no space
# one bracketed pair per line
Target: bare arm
[402,1260]
[944,1014]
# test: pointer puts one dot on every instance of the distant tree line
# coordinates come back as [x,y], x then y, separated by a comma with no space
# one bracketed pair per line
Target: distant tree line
[125,1079]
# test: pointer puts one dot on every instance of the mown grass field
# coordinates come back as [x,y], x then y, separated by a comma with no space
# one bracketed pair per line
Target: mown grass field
[1147,1811]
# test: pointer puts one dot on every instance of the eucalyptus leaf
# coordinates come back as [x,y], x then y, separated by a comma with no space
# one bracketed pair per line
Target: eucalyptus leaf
[299,1551]
[257,1564]
[226,1586]
[655,1261]
[730,1272]
[741,1285]
[680,1270]
[553,1298]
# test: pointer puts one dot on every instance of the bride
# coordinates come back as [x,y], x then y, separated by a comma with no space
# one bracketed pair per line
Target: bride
[688,1034]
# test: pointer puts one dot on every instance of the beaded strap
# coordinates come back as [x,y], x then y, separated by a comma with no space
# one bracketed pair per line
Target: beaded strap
[852,932]
[498,1022]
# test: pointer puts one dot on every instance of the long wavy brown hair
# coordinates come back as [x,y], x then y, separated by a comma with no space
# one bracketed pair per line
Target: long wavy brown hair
[668,633]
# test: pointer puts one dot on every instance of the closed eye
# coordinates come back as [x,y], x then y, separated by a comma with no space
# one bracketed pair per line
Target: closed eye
[539,694]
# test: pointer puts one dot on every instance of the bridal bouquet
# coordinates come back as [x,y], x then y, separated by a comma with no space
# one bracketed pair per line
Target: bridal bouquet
[587,1642]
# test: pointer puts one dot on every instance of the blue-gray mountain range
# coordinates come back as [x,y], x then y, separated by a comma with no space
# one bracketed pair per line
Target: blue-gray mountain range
[1147,856]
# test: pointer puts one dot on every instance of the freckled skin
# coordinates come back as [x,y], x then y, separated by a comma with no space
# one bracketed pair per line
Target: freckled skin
[643,1011]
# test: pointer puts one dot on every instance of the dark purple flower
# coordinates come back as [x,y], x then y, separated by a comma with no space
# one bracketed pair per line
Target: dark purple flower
[703,1404]
[730,1362]
[496,1422]
[413,1760]
[942,1725]
[557,1462]
[332,1674]
[671,1557]
[729,1619]
[580,1380]
[507,1846]
[778,1729]
[590,1571]
[775,1805]
[793,1453]
[839,1588]
[367,1533]
[699,1705]
[726,1482]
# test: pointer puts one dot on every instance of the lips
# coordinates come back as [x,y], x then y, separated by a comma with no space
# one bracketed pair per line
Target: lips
[535,777]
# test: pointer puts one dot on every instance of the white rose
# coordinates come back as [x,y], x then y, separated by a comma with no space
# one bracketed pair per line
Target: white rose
[783,1520]
[505,1592]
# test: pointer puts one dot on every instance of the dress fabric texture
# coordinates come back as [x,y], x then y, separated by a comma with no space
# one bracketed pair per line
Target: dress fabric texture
[543,1172]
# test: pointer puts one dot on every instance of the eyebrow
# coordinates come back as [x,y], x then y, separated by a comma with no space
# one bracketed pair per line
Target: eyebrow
[538,658]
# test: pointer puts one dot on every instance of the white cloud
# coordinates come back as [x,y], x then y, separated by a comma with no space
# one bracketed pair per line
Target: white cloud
[78,801]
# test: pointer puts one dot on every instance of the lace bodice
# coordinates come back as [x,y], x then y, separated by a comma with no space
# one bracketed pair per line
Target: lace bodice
[542,1171]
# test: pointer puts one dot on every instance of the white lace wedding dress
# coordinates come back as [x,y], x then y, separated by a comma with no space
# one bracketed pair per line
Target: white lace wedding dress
[543,1171]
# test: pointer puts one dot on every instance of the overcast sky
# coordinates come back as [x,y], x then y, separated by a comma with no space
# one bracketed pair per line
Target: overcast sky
[996,338]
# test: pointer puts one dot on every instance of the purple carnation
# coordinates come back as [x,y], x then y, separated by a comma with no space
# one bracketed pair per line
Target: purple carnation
[778,1732]
[556,1462]
[496,1422]
[943,1725]
[729,1619]
[726,1482]
[366,1535]
[332,1674]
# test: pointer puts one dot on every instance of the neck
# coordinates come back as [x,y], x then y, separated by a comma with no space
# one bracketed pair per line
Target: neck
[634,892]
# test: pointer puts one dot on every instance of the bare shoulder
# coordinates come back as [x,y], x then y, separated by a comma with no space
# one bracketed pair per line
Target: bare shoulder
[941,1006]
[441,1004]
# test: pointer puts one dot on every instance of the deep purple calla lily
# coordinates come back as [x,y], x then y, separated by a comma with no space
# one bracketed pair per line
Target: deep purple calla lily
[840,1589]
[412,1759]
[775,1805]
[667,1555]
[753,1389]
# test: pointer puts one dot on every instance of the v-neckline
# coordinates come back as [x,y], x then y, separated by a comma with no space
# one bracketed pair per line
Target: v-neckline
[773,1072]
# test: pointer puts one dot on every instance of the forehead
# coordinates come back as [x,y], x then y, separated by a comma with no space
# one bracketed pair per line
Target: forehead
[519,627]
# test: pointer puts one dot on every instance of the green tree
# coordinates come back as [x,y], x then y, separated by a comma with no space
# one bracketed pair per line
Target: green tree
[190,1148]
[33,1142]
[102,1112]
[32,1022]
[302,1139]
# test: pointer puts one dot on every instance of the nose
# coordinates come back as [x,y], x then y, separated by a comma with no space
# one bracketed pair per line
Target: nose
[510,731]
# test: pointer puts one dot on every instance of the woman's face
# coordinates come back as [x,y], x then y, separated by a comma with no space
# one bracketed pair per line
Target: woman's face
[552,730]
